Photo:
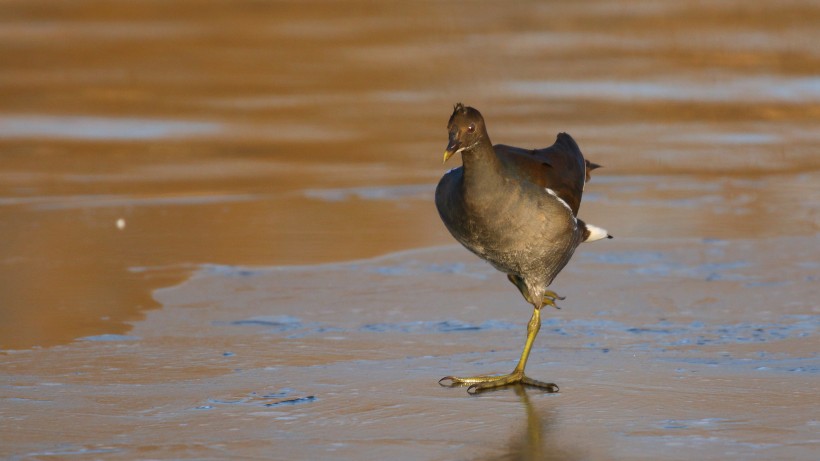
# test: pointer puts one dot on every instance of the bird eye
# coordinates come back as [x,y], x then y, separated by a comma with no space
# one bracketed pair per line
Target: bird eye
[471,128]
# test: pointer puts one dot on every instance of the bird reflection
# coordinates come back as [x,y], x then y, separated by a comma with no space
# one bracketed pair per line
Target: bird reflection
[533,441]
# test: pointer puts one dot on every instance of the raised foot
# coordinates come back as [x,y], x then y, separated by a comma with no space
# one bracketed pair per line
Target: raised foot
[481,383]
[550,297]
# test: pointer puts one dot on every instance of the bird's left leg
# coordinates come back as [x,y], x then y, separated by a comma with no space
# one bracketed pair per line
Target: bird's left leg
[549,297]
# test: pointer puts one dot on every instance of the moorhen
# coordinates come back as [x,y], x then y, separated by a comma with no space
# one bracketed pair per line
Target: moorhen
[515,208]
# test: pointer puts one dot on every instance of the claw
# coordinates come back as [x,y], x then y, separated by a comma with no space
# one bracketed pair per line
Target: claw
[453,381]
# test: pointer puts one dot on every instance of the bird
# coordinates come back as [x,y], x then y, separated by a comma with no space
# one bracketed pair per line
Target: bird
[517,209]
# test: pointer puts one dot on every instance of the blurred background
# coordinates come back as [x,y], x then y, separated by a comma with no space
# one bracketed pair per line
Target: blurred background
[140,139]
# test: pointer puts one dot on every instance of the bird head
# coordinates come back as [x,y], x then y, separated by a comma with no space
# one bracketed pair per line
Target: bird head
[465,128]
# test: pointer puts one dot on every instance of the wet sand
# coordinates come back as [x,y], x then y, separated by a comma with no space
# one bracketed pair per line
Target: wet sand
[280,286]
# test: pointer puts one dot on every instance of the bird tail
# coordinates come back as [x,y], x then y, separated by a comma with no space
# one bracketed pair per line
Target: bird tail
[592,233]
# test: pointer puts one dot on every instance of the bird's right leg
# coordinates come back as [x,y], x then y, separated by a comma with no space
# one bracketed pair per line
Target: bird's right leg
[549,296]
[480,383]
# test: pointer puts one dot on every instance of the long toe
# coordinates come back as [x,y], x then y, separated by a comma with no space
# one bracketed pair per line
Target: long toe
[549,387]
[453,381]
[550,297]
[551,302]
[485,382]
[554,295]
[500,381]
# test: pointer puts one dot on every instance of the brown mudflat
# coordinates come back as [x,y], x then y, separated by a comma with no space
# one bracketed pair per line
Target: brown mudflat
[219,239]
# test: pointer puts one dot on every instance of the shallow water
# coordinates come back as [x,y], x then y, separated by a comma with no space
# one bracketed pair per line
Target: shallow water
[219,238]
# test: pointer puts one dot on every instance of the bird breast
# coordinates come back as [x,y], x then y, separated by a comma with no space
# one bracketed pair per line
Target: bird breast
[517,228]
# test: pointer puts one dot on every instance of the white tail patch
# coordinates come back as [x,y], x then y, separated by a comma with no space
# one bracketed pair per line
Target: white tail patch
[596,233]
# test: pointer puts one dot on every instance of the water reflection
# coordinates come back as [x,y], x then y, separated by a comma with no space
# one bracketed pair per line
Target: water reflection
[758,89]
[535,439]
[100,128]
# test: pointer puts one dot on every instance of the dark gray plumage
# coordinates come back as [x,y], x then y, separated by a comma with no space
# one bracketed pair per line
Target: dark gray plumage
[515,208]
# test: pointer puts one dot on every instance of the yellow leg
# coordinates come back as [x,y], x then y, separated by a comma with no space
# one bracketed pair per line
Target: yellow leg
[479,383]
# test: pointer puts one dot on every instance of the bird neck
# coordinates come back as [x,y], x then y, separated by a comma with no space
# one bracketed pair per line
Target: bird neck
[482,168]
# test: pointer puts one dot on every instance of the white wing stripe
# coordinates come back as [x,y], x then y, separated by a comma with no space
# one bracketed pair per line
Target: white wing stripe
[566,205]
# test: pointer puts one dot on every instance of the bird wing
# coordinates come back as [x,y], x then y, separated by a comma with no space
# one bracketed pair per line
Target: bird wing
[560,167]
